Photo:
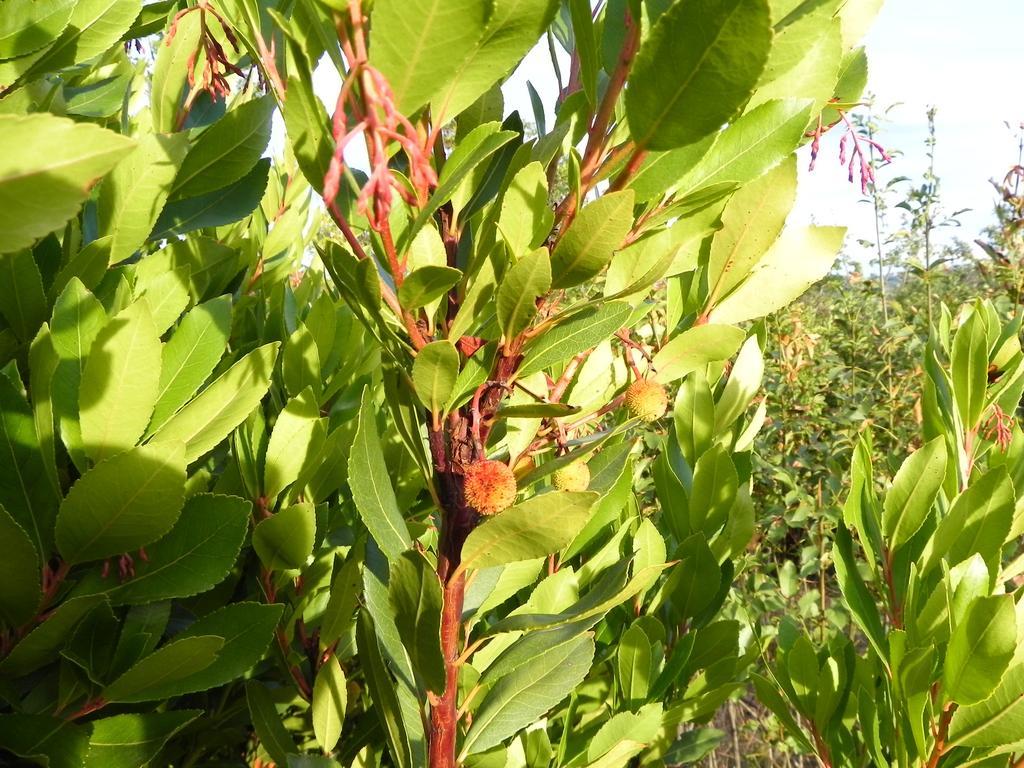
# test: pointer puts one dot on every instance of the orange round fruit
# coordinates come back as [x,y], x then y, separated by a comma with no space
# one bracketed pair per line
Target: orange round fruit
[646,400]
[489,486]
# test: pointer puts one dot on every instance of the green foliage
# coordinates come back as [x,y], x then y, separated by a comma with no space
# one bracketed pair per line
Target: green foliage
[236,436]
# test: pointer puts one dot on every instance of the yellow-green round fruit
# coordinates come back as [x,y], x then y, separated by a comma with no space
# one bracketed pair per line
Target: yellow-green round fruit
[572,477]
[646,400]
[490,486]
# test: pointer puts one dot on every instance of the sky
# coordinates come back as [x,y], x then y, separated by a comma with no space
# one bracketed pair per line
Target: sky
[964,58]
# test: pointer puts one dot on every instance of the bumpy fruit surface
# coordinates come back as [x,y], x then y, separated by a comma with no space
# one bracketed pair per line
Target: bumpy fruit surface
[572,477]
[490,486]
[646,400]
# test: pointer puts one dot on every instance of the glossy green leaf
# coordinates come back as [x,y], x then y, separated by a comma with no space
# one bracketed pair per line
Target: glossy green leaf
[513,27]
[595,234]
[28,25]
[997,720]
[699,65]
[292,445]
[170,74]
[19,572]
[525,282]
[780,277]
[267,722]
[695,348]
[751,222]
[533,528]
[226,151]
[44,642]
[214,209]
[195,556]
[160,671]
[123,503]
[524,695]
[330,698]
[969,369]
[419,44]
[525,218]
[94,27]
[415,595]
[427,284]
[46,180]
[369,480]
[133,740]
[190,355]
[22,301]
[284,540]
[914,488]
[222,406]
[120,382]
[979,522]
[980,650]
[583,330]
[132,197]
[50,741]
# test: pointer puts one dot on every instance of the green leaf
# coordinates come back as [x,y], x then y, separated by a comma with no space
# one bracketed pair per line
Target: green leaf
[100,99]
[979,521]
[801,257]
[170,74]
[132,197]
[22,300]
[593,237]
[415,595]
[292,445]
[123,503]
[266,720]
[48,740]
[997,720]
[634,665]
[914,488]
[434,373]
[190,355]
[44,182]
[525,218]
[751,146]
[94,27]
[308,127]
[222,406]
[214,209]
[132,741]
[536,410]
[284,540]
[980,650]
[165,289]
[426,284]
[247,629]
[524,695]
[120,383]
[30,501]
[694,581]
[160,671]
[330,698]
[525,282]
[482,142]
[195,556]
[583,330]
[28,25]
[533,528]
[855,592]
[969,369]
[369,480]
[699,65]
[513,27]
[713,492]
[41,646]
[751,222]
[19,573]
[418,45]
[300,364]
[695,348]
[227,150]
[383,690]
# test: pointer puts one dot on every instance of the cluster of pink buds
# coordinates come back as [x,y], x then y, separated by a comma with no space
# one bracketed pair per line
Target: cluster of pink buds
[999,428]
[213,78]
[125,565]
[858,161]
[367,96]
[381,123]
